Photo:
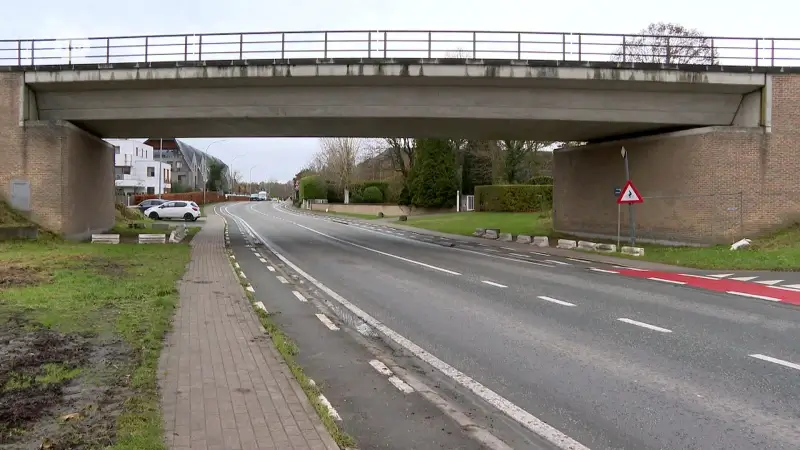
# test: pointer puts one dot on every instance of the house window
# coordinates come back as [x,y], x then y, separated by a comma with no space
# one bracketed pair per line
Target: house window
[178,164]
[116,149]
[126,170]
[151,190]
[151,171]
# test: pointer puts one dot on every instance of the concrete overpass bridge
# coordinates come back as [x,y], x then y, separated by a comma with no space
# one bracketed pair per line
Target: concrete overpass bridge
[59,97]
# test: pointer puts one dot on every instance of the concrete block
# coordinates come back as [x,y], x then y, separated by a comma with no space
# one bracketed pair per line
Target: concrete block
[523,239]
[479,232]
[586,245]
[492,233]
[606,248]
[152,238]
[541,241]
[633,251]
[105,239]
[567,243]
[506,237]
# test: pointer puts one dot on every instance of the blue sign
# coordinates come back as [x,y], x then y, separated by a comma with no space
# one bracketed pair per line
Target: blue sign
[617,191]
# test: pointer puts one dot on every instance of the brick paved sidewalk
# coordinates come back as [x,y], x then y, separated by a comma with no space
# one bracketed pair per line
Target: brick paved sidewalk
[223,384]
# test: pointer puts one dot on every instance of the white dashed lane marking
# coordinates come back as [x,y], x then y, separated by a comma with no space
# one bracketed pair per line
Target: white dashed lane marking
[327,322]
[282,279]
[781,362]
[299,296]
[492,283]
[556,301]
[644,325]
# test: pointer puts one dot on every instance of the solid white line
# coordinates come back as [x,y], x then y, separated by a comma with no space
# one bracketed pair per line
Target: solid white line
[492,283]
[282,279]
[788,287]
[521,256]
[558,262]
[271,269]
[328,405]
[776,361]
[664,280]
[541,254]
[327,322]
[644,325]
[260,305]
[262,260]
[762,297]
[380,367]
[299,296]
[249,288]
[401,385]
[528,420]
[241,274]
[419,263]
[595,269]
[556,301]
[720,275]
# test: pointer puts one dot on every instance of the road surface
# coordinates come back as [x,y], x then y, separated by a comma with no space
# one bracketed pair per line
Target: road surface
[539,348]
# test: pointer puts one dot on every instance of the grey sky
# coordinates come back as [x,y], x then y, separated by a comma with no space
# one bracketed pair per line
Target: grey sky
[281,158]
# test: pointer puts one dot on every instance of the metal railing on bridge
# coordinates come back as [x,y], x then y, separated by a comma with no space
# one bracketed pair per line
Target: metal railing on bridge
[389,44]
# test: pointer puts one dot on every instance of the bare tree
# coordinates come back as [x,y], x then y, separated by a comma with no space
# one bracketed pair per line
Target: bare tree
[337,159]
[667,43]
[402,155]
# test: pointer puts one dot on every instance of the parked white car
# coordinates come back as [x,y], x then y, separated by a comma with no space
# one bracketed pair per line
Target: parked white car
[188,211]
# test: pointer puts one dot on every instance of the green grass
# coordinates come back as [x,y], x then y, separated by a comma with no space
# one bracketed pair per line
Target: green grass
[465,223]
[353,215]
[121,291]
[778,251]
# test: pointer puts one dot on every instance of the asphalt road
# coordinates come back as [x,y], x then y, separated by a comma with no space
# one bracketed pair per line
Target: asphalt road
[612,362]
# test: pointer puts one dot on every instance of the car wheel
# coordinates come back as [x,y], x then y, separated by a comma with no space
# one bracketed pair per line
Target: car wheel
[194,219]
[154,216]
[188,217]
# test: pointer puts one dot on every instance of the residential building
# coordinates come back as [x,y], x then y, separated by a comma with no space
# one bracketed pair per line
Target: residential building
[135,170]
[189,165]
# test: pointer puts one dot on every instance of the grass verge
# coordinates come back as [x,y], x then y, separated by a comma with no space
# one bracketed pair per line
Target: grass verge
[288,350]
[779,251]
[89,320]
[353,215]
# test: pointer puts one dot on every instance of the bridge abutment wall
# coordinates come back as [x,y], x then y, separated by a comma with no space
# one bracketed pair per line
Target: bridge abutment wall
[701,186]
[61,176]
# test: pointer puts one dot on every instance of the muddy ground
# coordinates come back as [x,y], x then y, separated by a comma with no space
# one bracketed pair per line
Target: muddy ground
[59,391]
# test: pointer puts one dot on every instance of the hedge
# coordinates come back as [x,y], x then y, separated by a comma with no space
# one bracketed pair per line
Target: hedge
[372,195]
[357,189]
[313,187]
[514,198]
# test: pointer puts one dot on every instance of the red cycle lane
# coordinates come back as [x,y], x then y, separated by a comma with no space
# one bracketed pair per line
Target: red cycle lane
[734,287]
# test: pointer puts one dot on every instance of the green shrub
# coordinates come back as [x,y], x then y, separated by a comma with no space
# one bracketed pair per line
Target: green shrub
[358,188]
[542,180]
[433,181]
[333,194]
[372,195]
[313,187]
[514,198]
[356,198]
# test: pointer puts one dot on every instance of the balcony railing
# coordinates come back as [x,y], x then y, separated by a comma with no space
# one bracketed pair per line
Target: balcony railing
[380,44]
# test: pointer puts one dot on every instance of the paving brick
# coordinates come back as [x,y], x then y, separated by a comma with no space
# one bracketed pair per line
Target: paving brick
[220,387]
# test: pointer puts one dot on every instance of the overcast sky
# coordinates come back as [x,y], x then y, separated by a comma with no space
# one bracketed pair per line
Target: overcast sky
[281,158]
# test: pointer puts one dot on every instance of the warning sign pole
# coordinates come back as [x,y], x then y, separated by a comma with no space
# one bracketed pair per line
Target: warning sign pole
[631,213]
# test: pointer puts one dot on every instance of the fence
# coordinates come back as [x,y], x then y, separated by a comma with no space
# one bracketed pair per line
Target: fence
[467,202]
[693,219]
[371,44]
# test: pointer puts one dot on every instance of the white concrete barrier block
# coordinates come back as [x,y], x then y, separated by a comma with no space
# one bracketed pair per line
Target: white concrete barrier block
[479,232]
[586,245]
[506,237]
[541,241]
[105,239]
[152,238]
[633,251]
[567,244]
[606,248]
[523,239]
[491,234]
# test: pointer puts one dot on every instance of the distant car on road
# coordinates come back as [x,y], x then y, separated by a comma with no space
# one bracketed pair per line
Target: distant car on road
[254,197]
[188,211]
[149,203]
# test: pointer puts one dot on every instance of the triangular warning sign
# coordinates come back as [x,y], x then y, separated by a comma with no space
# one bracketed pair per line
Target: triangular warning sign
[629,194]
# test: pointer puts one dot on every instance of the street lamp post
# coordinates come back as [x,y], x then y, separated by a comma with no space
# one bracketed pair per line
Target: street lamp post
[251,178]
[230,172]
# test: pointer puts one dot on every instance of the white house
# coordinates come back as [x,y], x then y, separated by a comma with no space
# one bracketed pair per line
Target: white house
[135,170]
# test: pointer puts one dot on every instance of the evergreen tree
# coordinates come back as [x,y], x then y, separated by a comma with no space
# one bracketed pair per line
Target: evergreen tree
[433,182]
